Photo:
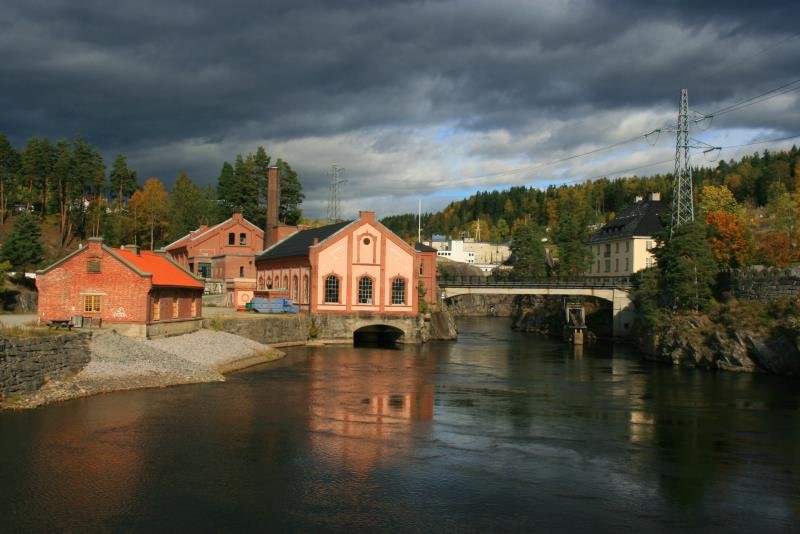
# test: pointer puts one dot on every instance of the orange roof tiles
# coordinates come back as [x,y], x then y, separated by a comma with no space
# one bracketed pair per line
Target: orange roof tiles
[165,273]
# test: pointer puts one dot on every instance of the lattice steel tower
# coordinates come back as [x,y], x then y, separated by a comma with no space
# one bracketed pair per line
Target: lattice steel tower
[333,195]
[682,198]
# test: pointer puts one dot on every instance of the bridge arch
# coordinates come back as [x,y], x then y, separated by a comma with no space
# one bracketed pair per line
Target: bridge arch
[377,334]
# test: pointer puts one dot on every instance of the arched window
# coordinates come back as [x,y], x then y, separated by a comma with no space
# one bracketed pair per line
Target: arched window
[305,289]
[295,289]
[421,267]
[365,290]
[286,282]
[332,289]
[398,291]
[269,282]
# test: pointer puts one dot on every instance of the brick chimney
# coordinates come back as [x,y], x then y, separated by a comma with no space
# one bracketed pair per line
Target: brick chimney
[132,248]
[273,201]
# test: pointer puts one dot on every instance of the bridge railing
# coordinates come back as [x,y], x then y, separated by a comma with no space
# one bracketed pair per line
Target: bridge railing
[623,282]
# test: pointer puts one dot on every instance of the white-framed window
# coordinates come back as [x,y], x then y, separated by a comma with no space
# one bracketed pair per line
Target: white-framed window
[91,303]
[365,290]
[649,262]
[650,245]
[399,291]
[332,289]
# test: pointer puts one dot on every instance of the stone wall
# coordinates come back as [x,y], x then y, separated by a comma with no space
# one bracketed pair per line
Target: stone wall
[760,283]
[481,305]
[27,363]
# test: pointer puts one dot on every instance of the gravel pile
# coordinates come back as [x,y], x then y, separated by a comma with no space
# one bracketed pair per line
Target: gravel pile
[212,349]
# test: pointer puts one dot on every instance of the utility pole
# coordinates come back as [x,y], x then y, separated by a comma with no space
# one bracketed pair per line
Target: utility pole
[682,195]
[333,195]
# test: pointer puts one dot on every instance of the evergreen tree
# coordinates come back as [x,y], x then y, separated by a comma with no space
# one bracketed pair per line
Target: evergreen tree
[122,181]
[225,188]
[687,267]
[9,167]
[23,246]
[291,194]
[527,253]
[190,206]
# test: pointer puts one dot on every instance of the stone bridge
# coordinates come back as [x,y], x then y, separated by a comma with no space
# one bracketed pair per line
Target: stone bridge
[613,289]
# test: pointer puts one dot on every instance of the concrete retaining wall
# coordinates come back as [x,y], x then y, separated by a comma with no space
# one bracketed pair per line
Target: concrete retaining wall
[27,363]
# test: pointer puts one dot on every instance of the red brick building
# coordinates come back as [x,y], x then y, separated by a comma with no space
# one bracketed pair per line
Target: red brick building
[142,294]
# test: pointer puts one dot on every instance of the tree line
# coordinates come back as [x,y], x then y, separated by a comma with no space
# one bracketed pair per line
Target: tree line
[750,209]
[66,185]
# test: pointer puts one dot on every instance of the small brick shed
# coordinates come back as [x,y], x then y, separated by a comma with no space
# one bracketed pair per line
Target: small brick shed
[142,293]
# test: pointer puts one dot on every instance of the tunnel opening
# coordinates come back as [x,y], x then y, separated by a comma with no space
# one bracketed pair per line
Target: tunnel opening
[378,335]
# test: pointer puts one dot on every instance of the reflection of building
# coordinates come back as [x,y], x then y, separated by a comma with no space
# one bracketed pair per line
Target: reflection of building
[346,267]
[141,293]
[359,420]
[624,245]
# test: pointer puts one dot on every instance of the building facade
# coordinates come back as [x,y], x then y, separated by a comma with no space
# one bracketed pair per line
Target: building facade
[624,245]
[141,293]
[347,267]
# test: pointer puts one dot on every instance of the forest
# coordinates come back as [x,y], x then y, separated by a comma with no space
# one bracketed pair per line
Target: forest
[53,194]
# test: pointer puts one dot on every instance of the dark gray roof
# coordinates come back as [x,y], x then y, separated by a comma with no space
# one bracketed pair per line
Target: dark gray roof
[643,218]
[297,244]
[419,247]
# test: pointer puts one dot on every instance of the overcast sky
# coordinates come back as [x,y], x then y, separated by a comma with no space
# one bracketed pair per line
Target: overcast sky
[416,100]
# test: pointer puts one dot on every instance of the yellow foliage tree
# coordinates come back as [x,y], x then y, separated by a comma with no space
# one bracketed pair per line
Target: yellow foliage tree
[150,208]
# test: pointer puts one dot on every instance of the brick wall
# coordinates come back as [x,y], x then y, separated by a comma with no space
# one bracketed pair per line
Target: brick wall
[123,293]
[27,363]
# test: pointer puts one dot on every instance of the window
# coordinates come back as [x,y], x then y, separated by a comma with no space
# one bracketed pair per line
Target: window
[627,246]
[242,239]
[421,267]
[305,288]
[91,303]
[398,291]
[608,266]
[269,282]
[366,241]
[241,271]
[332,289]
[608,250]
[93,265]
[617,248]
[285,282]
[650,245]
[295,289]
[194,306]
[627,264]
[598,266]
[231,238]
[156,309]
[649,262]
[365,290]
[204,270]
[616,265]
[174,308]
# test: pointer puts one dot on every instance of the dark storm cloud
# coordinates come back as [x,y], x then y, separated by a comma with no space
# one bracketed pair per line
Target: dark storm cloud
[147,78]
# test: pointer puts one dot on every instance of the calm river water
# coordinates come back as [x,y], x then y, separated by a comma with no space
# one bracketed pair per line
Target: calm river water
[499,431]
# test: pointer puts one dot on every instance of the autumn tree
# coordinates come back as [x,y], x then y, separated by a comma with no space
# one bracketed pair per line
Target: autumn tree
[718,198]
[728,239]
[150,209]
[775,248]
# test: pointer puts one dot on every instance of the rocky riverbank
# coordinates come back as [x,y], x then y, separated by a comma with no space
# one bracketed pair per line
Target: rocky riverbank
[702,341]
[119,363]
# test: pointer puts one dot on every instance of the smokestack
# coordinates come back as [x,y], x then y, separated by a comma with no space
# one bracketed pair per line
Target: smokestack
[273,200]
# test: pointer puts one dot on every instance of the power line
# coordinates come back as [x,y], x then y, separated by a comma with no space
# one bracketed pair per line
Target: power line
[772,93]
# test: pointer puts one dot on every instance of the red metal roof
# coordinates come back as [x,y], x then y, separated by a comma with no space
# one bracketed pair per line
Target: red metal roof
[165,273]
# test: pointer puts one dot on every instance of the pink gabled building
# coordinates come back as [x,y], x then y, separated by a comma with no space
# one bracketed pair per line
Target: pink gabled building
[344,268]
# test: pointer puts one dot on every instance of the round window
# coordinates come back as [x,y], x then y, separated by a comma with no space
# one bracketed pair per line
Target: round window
[366,241]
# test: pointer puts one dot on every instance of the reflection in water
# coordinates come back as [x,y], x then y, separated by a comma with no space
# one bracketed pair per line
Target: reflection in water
[501,431]
[364,405]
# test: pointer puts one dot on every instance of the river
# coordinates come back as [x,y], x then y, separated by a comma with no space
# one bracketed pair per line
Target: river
[499,431]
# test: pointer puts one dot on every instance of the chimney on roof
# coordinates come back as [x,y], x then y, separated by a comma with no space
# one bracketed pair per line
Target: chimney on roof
[132,248]
[273,201]
[655,196]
